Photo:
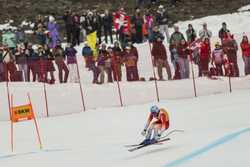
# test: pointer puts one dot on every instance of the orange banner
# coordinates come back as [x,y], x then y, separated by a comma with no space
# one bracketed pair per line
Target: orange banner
[20,113]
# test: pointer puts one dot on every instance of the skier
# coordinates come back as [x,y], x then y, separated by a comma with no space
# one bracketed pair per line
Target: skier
[157,123]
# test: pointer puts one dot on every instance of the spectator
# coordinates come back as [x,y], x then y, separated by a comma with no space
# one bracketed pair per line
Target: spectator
[107,26]
[99,23]
[176,37]
[159,54]
[21,61]
[41,34]
[68,21]
[32,59]
[223,31]
[76,29]
[149,21]
[49,65]
[205,52]
[53,31]
[104,64]
[137,22]
[20,35]
[59,60]
[156,34]
[117,61]
[217,59]
[175,61]
[183,59]
[230,48]
[191,34]
[130,60]
[70,53]
[162,21]
[245,47]
[204,32]
[42,71]
[9,39]
[134,51]
[8,64]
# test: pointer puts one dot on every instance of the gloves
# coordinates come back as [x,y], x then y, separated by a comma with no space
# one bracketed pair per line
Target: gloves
[158,136]
[143,133]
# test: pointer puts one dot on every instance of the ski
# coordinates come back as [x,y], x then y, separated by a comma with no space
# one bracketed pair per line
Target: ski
[142,146]
[135,145]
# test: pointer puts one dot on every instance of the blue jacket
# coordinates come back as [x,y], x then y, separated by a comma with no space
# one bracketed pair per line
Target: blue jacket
[87,51]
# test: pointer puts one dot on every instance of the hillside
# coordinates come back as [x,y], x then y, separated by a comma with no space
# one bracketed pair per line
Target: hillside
[185,9]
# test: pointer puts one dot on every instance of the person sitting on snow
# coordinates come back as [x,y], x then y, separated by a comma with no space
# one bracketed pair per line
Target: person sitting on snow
[157,123]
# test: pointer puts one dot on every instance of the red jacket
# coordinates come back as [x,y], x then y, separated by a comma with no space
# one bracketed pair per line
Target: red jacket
[159,51]
[205,51]
[183,50]
[245,47]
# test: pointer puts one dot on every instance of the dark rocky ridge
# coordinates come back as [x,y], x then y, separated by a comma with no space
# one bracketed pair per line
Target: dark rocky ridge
[19,10]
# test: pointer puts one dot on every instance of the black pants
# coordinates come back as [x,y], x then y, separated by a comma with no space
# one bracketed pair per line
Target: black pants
[108,31]
[69,33]
[76,36]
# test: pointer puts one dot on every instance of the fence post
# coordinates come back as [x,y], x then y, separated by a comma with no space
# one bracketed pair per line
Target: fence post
[80,85]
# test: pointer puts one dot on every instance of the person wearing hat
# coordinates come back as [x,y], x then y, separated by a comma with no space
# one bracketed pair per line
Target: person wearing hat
[76,29]
[59,55]
[9,39]
[130,61]
[223,32]
[176,37]
[53,31]
[107,21]
[156,34]
[21,61]
[68,21]
[162,21]
[191,34]
[217,58]
[104,64]
[159,54]
[8,64]
[117,61]
[230,48]
[204,32]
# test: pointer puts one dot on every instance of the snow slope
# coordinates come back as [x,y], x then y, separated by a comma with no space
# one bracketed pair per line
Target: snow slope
[96,138]
[216,124]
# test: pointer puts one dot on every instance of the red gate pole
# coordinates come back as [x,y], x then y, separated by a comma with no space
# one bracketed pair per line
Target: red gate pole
[229,79]
[37,130]
[192,67]
[119,91]
[156,85]
[43,77]
[7,88]
[80,85]
[8,94]
[194,84]
[12,128]
[46,99]
[118,83]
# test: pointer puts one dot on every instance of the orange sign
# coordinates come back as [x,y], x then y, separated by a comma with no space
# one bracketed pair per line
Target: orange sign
[20,113]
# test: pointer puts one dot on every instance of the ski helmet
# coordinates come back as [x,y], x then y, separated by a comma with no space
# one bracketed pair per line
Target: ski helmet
[154,109]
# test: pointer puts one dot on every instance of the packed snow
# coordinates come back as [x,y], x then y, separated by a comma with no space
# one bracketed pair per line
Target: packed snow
[216,123]
[244,8]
